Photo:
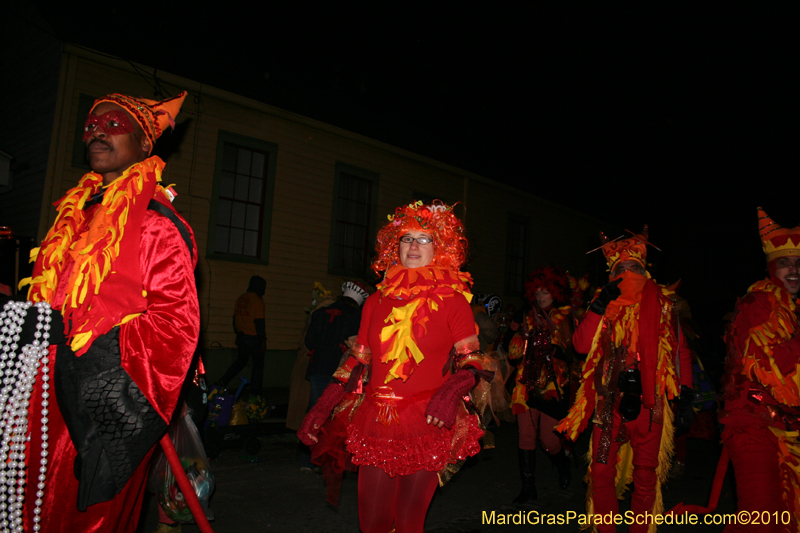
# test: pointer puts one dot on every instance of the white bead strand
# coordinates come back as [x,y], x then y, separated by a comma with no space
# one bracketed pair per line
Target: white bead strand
[18,368]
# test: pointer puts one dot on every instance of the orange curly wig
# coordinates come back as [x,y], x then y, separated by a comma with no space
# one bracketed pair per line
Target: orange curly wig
[437,219]
[553,280]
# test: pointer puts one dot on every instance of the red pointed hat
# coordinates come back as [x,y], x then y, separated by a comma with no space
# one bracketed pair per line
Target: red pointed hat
[777,241]
[152,116]
[631,249]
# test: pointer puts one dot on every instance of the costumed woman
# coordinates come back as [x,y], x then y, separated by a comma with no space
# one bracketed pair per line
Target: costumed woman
[416,357]
[541,394]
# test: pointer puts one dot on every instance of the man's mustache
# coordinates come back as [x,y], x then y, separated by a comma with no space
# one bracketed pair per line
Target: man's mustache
[96,140]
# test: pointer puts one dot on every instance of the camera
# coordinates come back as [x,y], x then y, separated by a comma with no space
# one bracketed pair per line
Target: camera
[630,385]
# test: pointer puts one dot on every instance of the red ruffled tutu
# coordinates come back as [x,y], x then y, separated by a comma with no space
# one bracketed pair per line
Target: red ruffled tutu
[410,445]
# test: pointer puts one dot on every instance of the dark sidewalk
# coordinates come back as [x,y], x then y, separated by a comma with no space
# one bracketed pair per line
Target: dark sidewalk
[271,494]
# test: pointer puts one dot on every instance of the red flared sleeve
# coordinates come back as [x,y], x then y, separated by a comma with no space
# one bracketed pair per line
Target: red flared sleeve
[157,346]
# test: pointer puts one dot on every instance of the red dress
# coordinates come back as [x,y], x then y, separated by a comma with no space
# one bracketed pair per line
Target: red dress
[407,444]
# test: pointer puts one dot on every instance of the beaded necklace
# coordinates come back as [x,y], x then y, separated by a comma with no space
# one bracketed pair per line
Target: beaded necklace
[18,368]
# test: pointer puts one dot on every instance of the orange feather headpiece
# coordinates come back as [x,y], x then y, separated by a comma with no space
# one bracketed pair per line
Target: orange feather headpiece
[438,220]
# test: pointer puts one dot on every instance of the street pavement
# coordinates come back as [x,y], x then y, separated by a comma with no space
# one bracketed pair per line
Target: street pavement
[266,491]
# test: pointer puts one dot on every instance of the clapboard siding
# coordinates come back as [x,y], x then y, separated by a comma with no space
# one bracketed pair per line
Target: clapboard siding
[305,167]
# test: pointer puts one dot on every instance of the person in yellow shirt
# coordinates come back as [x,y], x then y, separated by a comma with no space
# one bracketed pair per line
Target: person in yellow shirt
[251,335]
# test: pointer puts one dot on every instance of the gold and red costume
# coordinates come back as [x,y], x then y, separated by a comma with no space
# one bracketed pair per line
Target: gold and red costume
[637,329]
[561,336]
[113,262]
[762,391]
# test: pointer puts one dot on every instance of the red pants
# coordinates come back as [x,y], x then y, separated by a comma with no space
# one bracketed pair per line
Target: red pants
[528,423]
[400,500]
[645,441]
[754,454]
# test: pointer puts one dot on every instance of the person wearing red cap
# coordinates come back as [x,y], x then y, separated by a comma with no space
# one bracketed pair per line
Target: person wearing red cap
[761,387]
[541,394]
[418,348]
[635,364]
[118,267]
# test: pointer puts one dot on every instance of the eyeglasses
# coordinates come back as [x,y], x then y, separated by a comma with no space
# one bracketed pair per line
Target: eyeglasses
[422,241]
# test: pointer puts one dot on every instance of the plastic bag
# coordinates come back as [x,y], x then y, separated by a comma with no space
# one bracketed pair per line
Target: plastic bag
[161,480]
[239,414]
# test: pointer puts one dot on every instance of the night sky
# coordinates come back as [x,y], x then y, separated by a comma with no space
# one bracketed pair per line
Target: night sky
[683,118]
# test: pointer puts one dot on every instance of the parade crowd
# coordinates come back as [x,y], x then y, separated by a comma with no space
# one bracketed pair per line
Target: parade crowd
[403,384]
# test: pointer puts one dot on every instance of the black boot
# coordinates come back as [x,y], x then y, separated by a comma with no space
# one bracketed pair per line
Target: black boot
[527,472]
[561,461]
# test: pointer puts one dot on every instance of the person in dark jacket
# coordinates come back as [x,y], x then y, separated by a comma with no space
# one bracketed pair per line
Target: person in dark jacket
[330,328]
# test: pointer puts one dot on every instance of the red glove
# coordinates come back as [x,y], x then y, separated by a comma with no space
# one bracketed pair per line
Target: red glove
[444,403]
[331,397]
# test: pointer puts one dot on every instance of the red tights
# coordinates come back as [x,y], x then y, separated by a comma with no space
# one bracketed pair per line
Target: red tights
[754,454]
[645,439]
[400,500]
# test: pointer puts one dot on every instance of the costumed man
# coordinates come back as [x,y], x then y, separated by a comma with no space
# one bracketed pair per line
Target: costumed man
[635,364]
[541,393]
[118,264]
[251,335]
[761,387]
[487,328]
[332,331]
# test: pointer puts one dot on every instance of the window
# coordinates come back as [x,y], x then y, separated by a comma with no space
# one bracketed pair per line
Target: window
[79,159]
[516,253]
[239,226]
[353,220]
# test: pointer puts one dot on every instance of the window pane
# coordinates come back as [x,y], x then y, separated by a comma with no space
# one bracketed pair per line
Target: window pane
[251,243]
[348,235]
[229,158]
[237,241]
[221,240]
[238,215]
[242,187]
[243,163]
[226,185]
[258,165]
[339,235]
[253,213]
[255,190]
[224,212]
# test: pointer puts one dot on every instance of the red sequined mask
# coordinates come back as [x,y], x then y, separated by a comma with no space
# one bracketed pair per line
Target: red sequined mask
[111,123]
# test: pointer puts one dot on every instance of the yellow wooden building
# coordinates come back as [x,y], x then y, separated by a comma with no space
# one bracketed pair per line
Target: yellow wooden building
[293,200]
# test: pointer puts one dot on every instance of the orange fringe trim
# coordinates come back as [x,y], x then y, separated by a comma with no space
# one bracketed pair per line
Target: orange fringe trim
[789,467]
[516,349]
[757,361]
[424,288]
[624,331]
[95,251]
